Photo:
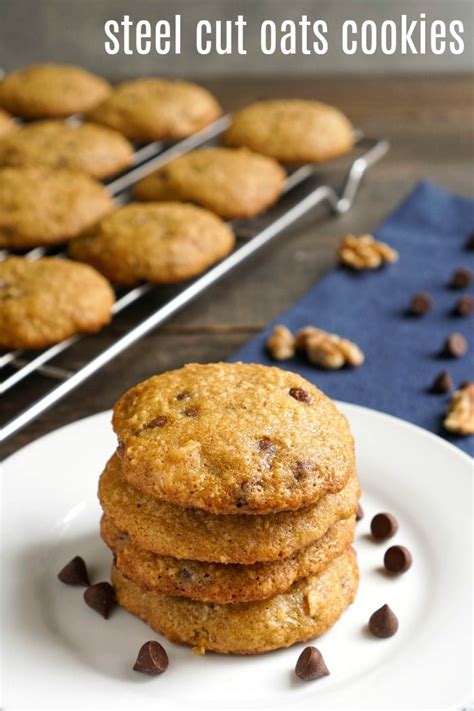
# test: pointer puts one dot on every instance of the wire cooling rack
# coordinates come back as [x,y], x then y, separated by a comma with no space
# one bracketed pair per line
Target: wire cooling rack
[252,235]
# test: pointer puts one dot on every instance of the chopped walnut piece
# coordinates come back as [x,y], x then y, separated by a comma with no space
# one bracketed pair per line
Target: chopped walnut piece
[460,414]
[312,600]
[198,649]
[329,350]
[365,252]
[281,344]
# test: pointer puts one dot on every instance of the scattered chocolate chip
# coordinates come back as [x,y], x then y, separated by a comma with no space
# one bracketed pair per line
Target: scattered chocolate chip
[75,572]
[465,305]
[311,665]
[241,502]
[300,394]
[455,345]
[183,396]
[420,304]
[470,241]
[397,559]
[191,412]
[461,278]
[152,659]
[383,525]
[383,622]
[159,421]
[443,383]
[360,513]
[101,597]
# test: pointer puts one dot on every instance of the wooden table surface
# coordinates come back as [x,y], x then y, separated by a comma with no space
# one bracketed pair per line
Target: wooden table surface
[428,121]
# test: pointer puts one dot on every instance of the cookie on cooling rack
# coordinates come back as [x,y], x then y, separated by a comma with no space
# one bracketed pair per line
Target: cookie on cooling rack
[47,300]
[154,109]
[51,90]
[7,124]
[232,183]
[45,206]
[292,130]
[163,243]
[93,149]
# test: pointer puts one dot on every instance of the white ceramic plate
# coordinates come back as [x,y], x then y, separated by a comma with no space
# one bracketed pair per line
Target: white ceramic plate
[59,654]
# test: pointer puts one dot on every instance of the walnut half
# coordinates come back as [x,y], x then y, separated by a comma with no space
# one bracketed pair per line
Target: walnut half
[460,414]
[327,350]
[365,252]
[281,344]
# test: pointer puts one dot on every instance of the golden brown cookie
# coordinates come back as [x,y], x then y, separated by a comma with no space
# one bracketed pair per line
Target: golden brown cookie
[95,150]
[7,124]
[233,438]
[231,183]
[197,535]
[47,300]
[154,109]
[50,90]
[306,610]
[217,582]
[42,206]
[163,243]
[292,130]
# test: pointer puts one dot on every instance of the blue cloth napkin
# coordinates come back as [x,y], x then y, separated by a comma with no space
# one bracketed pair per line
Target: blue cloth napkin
[429,230]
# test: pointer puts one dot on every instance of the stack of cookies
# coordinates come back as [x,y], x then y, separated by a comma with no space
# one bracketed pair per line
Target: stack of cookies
[230,506]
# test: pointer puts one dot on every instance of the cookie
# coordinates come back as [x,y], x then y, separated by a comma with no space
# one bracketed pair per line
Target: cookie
[154,109]
[42,206]
[233,438]
[217,582]
[292,130]
[163,243]
[197,535]
[47,300]
[306,610]
[51,90]
[231,183]
[93,149]
[7,124]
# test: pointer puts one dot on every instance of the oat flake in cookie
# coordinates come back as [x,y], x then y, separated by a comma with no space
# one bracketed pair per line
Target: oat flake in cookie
[214,459]
[47,300]
[51,90]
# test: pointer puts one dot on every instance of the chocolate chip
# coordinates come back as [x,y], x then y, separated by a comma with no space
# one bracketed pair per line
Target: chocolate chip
[183,396]
[241,502]
[75,572]
[420,304]
[360,513]
[159,421]
[300,394]
[455,345]
[397,559]
[383,525]
[465,305]
[101,597]
[383,623]
[299,471]
[191,412]
[461,278]
[311,665]
[443,383]
[470,241]
[152,659]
